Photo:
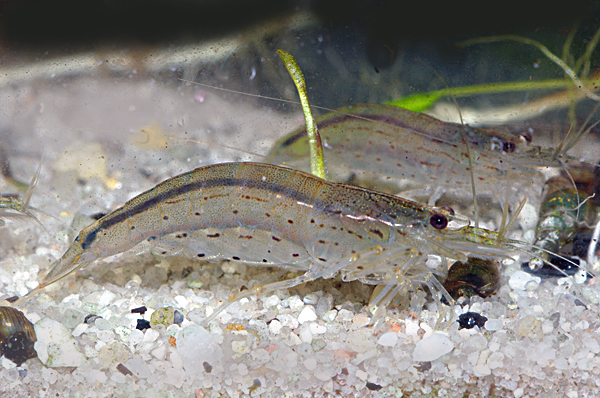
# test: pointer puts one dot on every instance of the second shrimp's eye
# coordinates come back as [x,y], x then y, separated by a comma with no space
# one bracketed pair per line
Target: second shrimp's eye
[526,137]
[448,209]
[438,221]
[508,147]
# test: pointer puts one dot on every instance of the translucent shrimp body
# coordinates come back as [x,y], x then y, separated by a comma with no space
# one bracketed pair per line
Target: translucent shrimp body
[269,215]
[411,150]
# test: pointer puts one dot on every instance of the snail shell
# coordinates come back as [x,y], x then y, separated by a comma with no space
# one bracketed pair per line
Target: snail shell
[17,336]
[475,277]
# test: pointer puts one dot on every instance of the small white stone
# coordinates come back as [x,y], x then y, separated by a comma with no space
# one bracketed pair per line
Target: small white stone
[136,337]
[42,351]
[580,276]
[306,336]
[288,320]
[494,324]
[49,375]
[310,364]
[496,360]
[312,298]
[360,340]
[182,301]
[295,303]
[532,285]
[388,339]
[493,347]
[176,360]
[292,339]
[7,363]
[123,332]
[102,324]
[307,314]
[538,309]
[195,346]
[105,335]
[174,329]
[412,327]
[481,370]
[99,376]
[151,335]
[329,316]
[518,393]
[432,347]
[315,328]
[160,352]
[106,298]
[275,326]
[240,347]
[582,325]
[57,346]
[272,301]
[79,329]
[362,375]
[33,317]
[361,320]
[90,351]
[242,369]
[344,315]
[520,279]
[547,327]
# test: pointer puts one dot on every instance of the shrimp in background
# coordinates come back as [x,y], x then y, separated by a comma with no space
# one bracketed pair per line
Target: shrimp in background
[382,145]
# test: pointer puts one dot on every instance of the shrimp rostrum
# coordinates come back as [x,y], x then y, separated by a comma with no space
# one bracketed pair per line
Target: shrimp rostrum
[269,215]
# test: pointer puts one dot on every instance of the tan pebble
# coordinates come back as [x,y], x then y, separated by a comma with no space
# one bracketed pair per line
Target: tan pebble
[361,320]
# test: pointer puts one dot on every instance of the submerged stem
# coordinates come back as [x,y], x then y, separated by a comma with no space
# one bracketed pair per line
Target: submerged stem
[317,166]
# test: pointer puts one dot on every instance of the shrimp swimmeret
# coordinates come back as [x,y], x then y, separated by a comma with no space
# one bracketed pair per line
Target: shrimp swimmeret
[268,215]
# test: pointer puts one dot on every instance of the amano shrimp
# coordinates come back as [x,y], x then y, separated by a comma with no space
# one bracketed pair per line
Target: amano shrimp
[382,145]
[268,215]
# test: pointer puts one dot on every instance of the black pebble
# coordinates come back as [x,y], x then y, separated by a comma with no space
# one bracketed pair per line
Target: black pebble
[207,367]
[91,318]
[142,324]
[374,387]
[469,320]
[177,317]
[140,310]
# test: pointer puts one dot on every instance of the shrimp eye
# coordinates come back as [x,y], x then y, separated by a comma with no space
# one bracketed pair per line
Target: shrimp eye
[526,137]
[508,147]
[438,221]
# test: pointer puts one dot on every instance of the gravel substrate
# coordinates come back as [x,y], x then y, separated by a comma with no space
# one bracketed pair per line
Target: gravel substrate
[107,139]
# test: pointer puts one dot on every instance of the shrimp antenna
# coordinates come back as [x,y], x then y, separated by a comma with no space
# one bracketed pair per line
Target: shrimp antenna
[464,137]
[565,146]
[591,254]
